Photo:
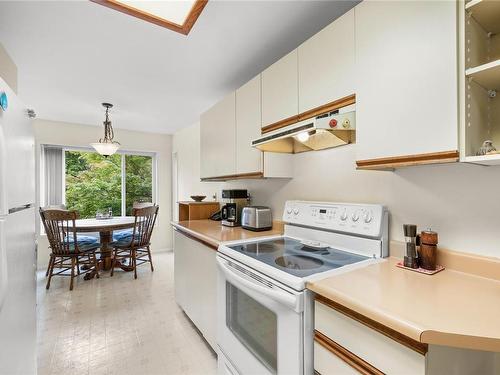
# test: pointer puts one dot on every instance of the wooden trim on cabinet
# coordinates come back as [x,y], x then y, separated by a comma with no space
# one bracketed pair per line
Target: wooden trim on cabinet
[410,343]
[332,106]
[328,107]
[197,239]
[280,124]
[240,176]
[409,160]
[345,355]
[185,28]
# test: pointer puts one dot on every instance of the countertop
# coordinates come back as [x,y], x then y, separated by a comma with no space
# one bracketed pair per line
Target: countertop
[458,307]
[213,233]
[451,308]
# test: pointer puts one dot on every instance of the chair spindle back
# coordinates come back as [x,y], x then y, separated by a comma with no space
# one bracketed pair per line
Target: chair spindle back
[145,219]
[60,229]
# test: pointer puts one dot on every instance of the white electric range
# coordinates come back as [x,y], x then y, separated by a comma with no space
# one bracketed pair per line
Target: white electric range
[265,312]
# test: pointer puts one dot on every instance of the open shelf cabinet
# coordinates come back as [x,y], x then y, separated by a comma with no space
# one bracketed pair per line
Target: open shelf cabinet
[493,159]
[486,13]
[481,46]
[486,75]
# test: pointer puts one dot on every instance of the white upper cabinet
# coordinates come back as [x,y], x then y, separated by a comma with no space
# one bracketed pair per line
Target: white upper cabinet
[326,64]
[280,90]
[406,78]
[218,139]
[248,124]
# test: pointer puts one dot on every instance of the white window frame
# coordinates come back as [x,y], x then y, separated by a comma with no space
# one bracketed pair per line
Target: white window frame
[123,153]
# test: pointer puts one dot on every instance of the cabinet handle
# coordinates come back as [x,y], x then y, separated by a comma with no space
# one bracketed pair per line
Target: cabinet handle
[345,355]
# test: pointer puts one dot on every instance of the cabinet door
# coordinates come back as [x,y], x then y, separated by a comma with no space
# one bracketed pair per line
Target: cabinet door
[248,122]
[326,362]
[218,139]
[366,343]
[327,64]
[406,71]
[195,282]
[280,90]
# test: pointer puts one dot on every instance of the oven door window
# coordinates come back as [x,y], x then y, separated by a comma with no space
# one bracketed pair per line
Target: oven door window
[254,325]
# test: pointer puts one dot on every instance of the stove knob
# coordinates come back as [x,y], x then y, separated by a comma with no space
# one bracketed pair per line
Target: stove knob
[343,217]
[368,217]
[355,216]
[289,210]
[295,211]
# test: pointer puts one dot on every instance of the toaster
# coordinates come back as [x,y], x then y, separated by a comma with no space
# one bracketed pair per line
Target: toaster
[256,218]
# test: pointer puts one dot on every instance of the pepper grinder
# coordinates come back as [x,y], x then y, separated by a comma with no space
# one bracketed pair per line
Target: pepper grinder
[428,249]
[411,255]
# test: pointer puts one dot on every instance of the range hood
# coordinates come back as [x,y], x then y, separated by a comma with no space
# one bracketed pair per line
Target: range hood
[329,130]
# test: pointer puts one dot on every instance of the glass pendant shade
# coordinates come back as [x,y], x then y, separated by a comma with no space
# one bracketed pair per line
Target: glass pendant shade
[106,146]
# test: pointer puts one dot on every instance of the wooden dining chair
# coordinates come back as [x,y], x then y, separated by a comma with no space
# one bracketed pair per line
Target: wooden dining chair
[56,207]
[136,247]
[68,251]
[126,234]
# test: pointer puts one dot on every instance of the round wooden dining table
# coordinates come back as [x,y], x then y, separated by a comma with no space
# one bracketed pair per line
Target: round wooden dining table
[105,227]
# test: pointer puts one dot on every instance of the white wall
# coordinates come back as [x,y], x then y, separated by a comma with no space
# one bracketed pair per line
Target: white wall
[8,70]
[186,143]
[59,133]
[460,201]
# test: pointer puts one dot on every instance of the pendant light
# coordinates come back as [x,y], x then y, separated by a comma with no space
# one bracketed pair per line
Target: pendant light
[107,146]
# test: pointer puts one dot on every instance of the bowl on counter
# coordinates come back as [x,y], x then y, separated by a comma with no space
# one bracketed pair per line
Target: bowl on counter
[198,198]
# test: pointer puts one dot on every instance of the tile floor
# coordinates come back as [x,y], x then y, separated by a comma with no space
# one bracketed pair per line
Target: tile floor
[118,325]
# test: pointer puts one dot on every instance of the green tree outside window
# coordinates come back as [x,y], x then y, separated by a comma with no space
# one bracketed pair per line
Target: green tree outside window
[94,183]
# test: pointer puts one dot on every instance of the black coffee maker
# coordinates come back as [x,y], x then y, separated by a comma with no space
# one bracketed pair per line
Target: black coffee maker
[234,200]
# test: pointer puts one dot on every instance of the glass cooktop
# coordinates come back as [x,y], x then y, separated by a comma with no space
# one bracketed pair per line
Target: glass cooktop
[295,258]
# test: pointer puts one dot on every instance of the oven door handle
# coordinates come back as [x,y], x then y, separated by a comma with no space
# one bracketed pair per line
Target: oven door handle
[234,277]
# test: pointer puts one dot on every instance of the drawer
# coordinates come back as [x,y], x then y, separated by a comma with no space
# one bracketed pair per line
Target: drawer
[380,351]
[331,358]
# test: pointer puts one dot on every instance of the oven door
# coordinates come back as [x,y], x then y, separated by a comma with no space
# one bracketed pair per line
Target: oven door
[260,324]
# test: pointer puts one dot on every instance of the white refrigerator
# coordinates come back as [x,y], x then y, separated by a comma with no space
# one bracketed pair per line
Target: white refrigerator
[17,239]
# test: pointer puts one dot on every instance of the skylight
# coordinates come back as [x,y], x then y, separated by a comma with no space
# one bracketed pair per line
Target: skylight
[173,11]
[176,15]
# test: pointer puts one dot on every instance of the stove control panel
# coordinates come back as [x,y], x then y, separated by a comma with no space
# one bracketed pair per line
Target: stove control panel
[360,219]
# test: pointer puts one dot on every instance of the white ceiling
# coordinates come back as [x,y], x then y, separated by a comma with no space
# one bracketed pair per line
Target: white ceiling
[73,55]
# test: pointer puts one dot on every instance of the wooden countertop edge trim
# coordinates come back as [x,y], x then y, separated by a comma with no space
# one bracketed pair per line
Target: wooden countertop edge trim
[391,333]
[460,341]
[195,236]
[409,160]
[345,355]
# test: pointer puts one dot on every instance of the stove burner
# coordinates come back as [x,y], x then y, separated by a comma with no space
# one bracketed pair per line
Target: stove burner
[256,248]
[298,262]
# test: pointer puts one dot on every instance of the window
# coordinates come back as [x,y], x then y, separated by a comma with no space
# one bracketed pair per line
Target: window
[92,183]
[138,180]
[87,182]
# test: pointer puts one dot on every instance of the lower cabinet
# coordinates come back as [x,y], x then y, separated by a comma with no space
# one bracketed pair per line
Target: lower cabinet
[347,344]
[195,277]
[362,348]
[328,362]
